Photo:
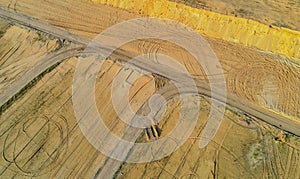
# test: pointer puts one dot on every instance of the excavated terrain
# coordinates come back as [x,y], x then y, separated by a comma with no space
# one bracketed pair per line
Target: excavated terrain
[40,136]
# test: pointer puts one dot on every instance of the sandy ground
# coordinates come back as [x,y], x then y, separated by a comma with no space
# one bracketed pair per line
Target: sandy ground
[40,136]
[20,50]
[263,78]
[280,13]
[90,21]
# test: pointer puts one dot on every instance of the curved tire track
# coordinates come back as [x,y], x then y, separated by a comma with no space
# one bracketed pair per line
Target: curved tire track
[270,117]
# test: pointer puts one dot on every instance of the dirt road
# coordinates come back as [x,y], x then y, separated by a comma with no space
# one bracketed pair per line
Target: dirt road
[168,91]
[263,114]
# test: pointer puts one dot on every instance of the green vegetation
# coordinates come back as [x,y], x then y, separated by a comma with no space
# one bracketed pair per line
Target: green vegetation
[41,37]
[256,153]
[279,24]
[3,28]
[288,137]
